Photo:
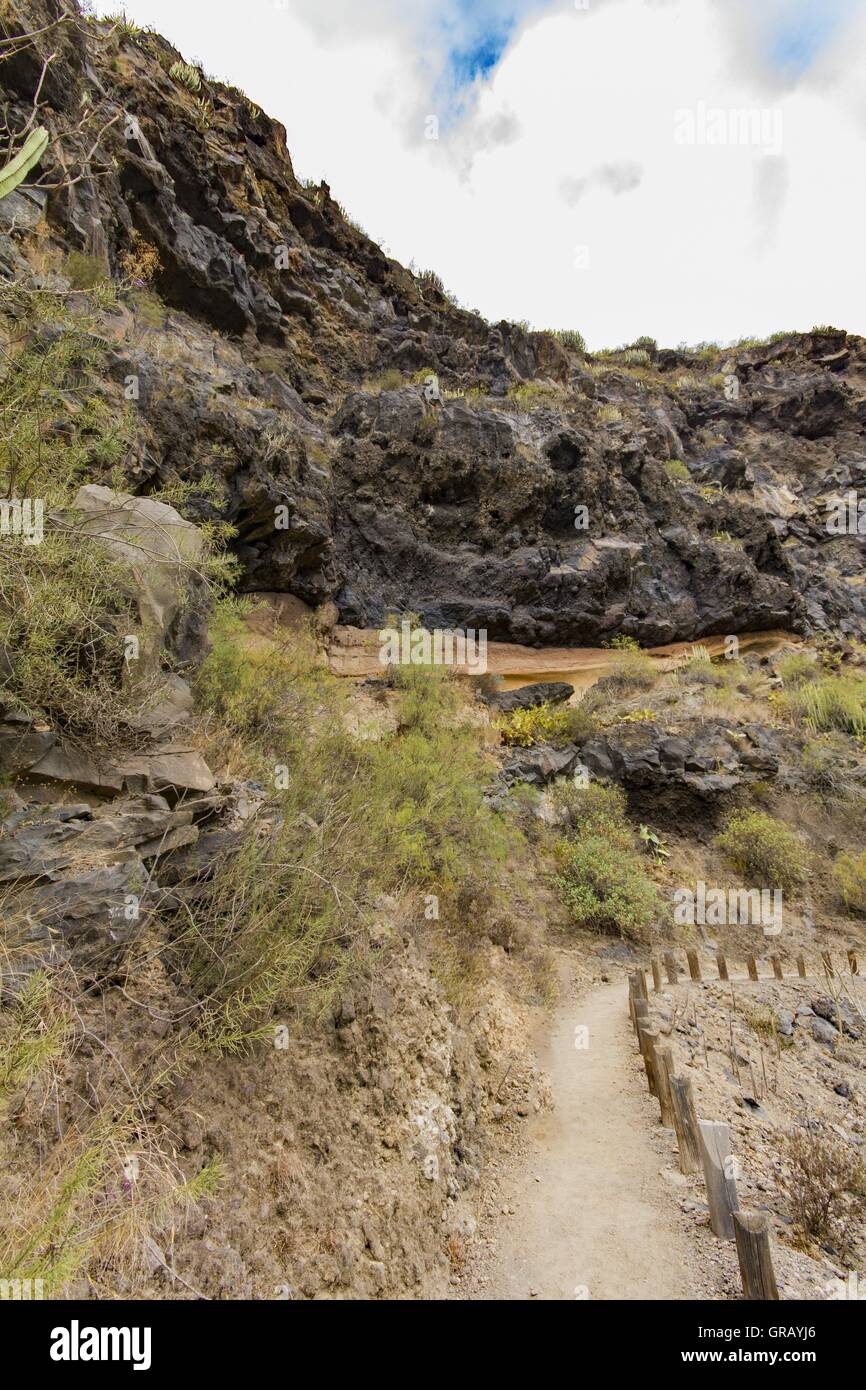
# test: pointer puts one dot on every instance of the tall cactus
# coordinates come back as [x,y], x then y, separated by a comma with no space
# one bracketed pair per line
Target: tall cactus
[19,167]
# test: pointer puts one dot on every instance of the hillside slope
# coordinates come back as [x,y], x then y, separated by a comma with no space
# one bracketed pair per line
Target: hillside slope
[274,940]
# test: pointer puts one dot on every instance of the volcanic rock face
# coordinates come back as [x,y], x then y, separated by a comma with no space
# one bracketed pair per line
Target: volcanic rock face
[524,490]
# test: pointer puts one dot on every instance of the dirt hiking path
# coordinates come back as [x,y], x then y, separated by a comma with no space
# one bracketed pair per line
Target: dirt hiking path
[592,1216]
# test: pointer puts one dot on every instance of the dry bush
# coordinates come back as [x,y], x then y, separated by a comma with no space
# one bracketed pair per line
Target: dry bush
[825,1181]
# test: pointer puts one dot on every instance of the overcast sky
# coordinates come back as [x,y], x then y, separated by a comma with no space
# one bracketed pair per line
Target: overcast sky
[590,169]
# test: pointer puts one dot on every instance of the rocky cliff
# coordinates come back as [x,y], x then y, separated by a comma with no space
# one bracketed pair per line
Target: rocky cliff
[284,353]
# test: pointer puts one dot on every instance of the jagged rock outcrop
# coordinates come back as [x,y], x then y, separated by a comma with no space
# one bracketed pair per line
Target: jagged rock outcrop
[702,757]
[78,881]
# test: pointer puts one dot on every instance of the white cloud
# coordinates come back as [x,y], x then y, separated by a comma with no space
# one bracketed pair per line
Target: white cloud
[684,241]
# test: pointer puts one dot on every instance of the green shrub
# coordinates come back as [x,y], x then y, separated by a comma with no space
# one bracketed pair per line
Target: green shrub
[849,873]
[186,76]
[597,809]
[554,724]
[53,433]
[677,471]
[64,612]
[830,702]
[570,338]
[606,888]
[764,849]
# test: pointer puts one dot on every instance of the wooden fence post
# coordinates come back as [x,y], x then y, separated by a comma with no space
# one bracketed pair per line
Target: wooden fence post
[777,967]
[828,962]
[752,967]
[655,967]
[722,965]
[694,964]
[801,967]
[685,1123]
[663,1068]
[671,967]
[648,1036]
[641,1014]
[752,1232]
[721,1187]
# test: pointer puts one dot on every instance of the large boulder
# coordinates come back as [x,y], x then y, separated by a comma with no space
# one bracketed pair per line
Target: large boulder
[531,696]
[162,551]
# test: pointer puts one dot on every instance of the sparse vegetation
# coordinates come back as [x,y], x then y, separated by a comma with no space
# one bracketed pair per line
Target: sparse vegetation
[429,280]
[357,818]
[596,809]
[825,1183]
[822,764]
[142,262]
[798,667]
[849,874]
[390,380]
[85,272]
[529,395]
[426,429]
[634,670]
[699,666]
[124,27]
[829,702]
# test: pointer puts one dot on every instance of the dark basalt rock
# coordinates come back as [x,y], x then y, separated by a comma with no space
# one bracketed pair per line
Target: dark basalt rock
[539,765]
[88,877]
[703,759]
[22,743]
[531,696]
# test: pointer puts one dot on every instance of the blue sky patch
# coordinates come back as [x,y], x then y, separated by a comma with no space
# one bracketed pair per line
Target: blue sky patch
[801,32]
